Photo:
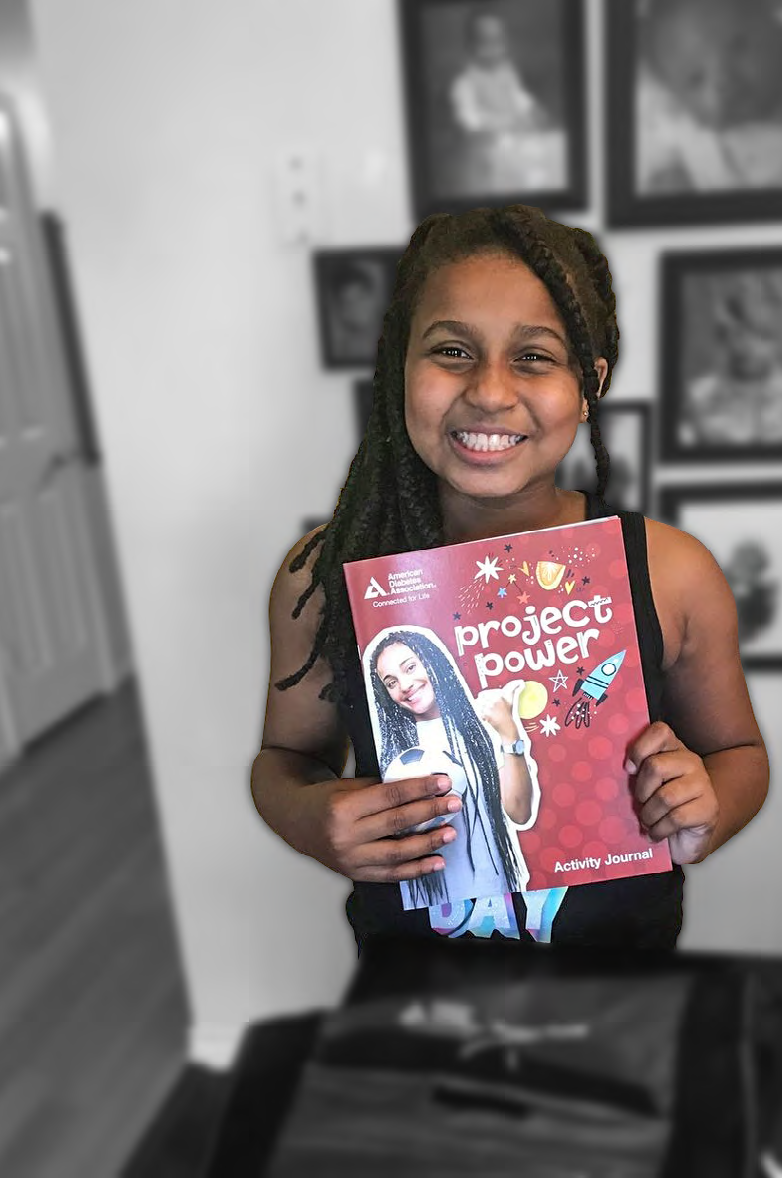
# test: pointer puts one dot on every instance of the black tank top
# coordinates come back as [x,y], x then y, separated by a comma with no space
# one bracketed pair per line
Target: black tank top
[644,911]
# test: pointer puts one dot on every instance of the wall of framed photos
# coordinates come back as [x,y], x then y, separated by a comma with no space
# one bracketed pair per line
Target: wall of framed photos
[687,211]
[202,325]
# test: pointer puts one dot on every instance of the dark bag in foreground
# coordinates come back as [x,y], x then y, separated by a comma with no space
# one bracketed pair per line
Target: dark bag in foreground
[448,1061]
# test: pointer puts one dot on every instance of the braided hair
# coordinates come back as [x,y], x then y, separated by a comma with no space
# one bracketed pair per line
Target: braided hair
[390,501]
[469,744]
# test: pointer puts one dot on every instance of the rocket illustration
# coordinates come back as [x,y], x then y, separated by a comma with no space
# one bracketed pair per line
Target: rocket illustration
[593,688]
[599,679]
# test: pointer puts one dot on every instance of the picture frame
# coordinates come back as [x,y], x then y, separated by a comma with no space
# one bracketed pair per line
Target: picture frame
[736,522]
[353,287]
[687,147]
[626,429]
[720,382]
[494,116]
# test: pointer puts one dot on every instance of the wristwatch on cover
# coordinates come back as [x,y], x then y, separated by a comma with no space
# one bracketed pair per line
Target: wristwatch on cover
[516,748]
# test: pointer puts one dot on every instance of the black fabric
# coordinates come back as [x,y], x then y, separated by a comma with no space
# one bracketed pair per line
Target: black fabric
[265,1080]
[727,1082]
[644,911]
[678,1078]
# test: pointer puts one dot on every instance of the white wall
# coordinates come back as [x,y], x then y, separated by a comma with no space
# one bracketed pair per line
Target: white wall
[222,433]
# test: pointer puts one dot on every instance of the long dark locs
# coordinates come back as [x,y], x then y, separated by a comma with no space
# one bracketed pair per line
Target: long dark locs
[469,744]
[390,502]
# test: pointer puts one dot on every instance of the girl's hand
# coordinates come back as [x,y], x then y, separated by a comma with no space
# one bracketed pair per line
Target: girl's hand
[355,826]
[494,707]
[674,792]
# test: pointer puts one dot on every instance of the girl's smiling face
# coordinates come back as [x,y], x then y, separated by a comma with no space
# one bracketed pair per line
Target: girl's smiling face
[406,681]
[493,393]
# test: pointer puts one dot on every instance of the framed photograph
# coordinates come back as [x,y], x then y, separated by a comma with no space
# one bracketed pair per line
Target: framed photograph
[353,289]
[694,111]
[720,390]
[626,431]
[363,392]
[495,100]
[740,525]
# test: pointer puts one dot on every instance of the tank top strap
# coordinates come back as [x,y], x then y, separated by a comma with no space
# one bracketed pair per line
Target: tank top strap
[647,622]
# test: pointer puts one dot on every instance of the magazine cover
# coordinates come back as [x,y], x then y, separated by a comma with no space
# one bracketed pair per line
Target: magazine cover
[512,665]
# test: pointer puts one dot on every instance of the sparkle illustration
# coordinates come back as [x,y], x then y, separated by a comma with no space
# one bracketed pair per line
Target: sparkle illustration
[559,680]
[549,725]
[488,568]
[502,592]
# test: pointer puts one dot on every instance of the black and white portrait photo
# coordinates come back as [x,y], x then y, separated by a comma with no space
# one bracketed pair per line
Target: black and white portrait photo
[494,113]
[721,343]
[353,289]
[703,80]
[625,429]
[741,526]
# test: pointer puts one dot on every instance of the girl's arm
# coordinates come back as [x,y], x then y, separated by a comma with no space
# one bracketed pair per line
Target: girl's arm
[515,781]
[701,777]
[296,783]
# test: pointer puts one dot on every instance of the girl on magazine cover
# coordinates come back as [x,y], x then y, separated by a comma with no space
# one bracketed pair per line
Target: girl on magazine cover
[422,702]
[498,345]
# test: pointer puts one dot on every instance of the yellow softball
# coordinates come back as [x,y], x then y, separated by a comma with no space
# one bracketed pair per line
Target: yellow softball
[531,700]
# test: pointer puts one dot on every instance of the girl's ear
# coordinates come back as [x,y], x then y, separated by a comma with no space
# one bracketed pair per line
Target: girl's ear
[601,364]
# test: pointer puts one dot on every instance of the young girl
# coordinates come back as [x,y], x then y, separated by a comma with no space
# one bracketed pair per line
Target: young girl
[421,701]
[500,338]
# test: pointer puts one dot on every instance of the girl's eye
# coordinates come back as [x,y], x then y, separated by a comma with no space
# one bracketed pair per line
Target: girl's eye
[450,348]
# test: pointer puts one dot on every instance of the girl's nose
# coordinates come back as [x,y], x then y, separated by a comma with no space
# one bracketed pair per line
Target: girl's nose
[492,388]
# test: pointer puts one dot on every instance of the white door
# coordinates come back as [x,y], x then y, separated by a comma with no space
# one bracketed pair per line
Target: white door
[50,659]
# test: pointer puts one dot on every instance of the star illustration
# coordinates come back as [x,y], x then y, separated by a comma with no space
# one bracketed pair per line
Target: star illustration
[585,581]
[488,568]
[511,578]
[509,548]
[503,592]
[559,680]
[523,598]
[557,703]
[579,670]
[490,605]
[549,725]
[456,616]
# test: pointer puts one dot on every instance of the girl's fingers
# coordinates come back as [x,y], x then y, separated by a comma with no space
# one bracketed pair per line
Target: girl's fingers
[429,865]
[403,855]
[395,822]
[390,795]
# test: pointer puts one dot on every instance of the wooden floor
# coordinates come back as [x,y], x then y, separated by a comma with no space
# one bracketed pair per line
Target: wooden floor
[93,1012]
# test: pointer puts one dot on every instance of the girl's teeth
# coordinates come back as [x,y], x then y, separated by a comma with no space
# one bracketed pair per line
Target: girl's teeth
[488,441]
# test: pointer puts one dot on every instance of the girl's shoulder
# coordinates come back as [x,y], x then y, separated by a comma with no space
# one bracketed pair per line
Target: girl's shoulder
[290,582]
[689,588]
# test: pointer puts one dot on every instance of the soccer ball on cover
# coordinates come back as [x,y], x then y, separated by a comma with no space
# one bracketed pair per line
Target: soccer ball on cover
[418,762]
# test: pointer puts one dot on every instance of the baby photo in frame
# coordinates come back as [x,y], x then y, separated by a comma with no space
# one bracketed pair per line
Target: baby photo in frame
[694,111]
[626,430]
[720,384]
[353,288]
[740,525]
[494,115]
